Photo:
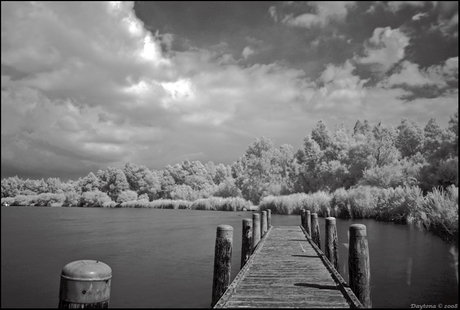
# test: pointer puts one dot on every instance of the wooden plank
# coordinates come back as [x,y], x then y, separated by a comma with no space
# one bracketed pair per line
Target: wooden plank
[287,270]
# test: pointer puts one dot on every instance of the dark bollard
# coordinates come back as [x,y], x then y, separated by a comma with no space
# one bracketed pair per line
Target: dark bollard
[332,242]
[246,243]
[263,223]
[85,284]
[308,222]
[255,230]
[358,264]
[269,218]
[315,236]
[303,213]
[222,262]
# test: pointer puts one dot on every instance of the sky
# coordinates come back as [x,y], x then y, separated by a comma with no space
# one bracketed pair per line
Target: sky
[91,85]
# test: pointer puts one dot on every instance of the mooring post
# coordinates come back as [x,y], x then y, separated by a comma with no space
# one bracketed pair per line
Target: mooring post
[303,213]
[222,262]
[308,222]
[85,284]
[263,223]
[255,230]
[315,230]
[246,243]
[358,264]
[269,218]
[332,242]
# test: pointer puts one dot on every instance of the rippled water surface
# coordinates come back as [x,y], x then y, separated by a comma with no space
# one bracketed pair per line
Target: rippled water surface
[164,258]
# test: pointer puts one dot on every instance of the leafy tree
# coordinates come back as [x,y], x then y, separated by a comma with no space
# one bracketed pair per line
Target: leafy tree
[383,150]
[409,139]
[227,188]
[432,138]
[254,170]
[94,199]
[128,195]
[321,135]
[89,183]
[11,187]
[54,185]
[112,181]
[142,180]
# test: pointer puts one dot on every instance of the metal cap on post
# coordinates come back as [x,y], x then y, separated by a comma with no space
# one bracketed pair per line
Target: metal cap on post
[222,262]
[358,264]
[85,284]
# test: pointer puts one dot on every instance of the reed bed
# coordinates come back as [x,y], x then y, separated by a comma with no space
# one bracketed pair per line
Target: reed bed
[437,211]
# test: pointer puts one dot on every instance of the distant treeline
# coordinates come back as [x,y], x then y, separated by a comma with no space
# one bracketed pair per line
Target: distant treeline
[378,155]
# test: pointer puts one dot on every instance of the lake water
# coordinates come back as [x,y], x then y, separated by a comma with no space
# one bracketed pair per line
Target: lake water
[164,258]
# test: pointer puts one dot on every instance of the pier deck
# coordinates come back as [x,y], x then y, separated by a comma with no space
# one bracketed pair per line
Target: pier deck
[288,270]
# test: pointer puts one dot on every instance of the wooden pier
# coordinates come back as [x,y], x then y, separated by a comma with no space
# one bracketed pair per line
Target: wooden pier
[287,269]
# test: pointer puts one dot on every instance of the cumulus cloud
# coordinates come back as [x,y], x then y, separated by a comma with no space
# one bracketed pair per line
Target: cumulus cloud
[397,5]
[410,74]
[385,48]
[418,16]
[247,52]
[325,10]
[342,91]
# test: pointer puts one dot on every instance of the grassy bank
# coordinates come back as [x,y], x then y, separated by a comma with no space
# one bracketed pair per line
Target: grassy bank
[212,203]
[437,211]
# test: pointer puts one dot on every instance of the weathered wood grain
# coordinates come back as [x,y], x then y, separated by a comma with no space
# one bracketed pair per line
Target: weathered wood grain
[287,271]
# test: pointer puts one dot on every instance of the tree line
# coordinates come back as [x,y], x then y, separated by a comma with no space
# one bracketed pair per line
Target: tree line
[375,155]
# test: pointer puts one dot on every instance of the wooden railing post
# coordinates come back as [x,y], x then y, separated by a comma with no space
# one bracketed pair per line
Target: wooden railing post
[263,223]
[255,230]
[332,242]
[85,284]
[246,242]
[358,264]
[269,218]
[308,222]
[315,236]
[222,262]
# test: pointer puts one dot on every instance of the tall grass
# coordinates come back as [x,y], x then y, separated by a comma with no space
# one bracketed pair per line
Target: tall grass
[212,203]
[437,211]
[222,204]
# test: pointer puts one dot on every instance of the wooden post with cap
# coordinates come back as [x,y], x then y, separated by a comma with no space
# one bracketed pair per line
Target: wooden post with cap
[358,264]
[85,284]
[332,242]
[222,262]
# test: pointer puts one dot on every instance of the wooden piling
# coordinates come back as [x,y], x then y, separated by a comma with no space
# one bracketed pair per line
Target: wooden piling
[315,236]
[303,213]
[263,223]
[269,218]
[332,242]
[246,242]
[358,264]
[255,230]
[222,262]
[85,284]
[308,222]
